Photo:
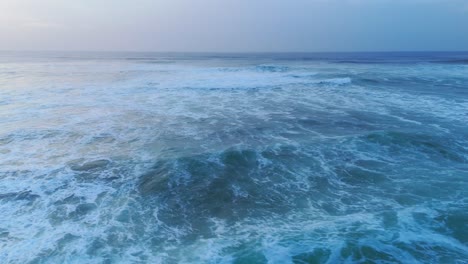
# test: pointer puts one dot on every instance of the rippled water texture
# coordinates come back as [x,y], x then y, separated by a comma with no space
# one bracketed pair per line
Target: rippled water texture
[241,158]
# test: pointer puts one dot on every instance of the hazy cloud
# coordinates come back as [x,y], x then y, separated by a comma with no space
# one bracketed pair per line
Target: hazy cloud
[234,25]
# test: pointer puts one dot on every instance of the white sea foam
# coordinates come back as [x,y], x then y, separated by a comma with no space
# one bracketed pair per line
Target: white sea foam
[76,136]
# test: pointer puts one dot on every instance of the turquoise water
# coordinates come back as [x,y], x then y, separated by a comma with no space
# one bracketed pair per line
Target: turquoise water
[233,158]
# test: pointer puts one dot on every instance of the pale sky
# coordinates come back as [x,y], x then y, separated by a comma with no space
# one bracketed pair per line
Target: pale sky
[234,25]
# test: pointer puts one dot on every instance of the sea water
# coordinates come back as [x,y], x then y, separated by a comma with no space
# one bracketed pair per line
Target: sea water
[233,158]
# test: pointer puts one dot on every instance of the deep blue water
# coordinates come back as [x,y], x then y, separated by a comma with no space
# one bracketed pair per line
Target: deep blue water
[233,158]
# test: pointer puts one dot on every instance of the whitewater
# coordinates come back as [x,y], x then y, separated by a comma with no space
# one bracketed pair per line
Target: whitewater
[233,158]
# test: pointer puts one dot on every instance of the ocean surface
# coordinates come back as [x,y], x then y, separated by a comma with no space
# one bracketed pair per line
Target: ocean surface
[233,158]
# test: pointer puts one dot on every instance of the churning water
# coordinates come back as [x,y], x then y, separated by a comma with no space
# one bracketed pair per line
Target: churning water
[233,158]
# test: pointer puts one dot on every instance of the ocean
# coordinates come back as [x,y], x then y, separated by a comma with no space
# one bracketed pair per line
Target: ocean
[233,158]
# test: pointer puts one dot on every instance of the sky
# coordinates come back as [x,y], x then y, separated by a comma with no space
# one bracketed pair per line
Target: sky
[234,25]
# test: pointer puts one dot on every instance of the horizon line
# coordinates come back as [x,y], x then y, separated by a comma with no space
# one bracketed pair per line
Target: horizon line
[242,52]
